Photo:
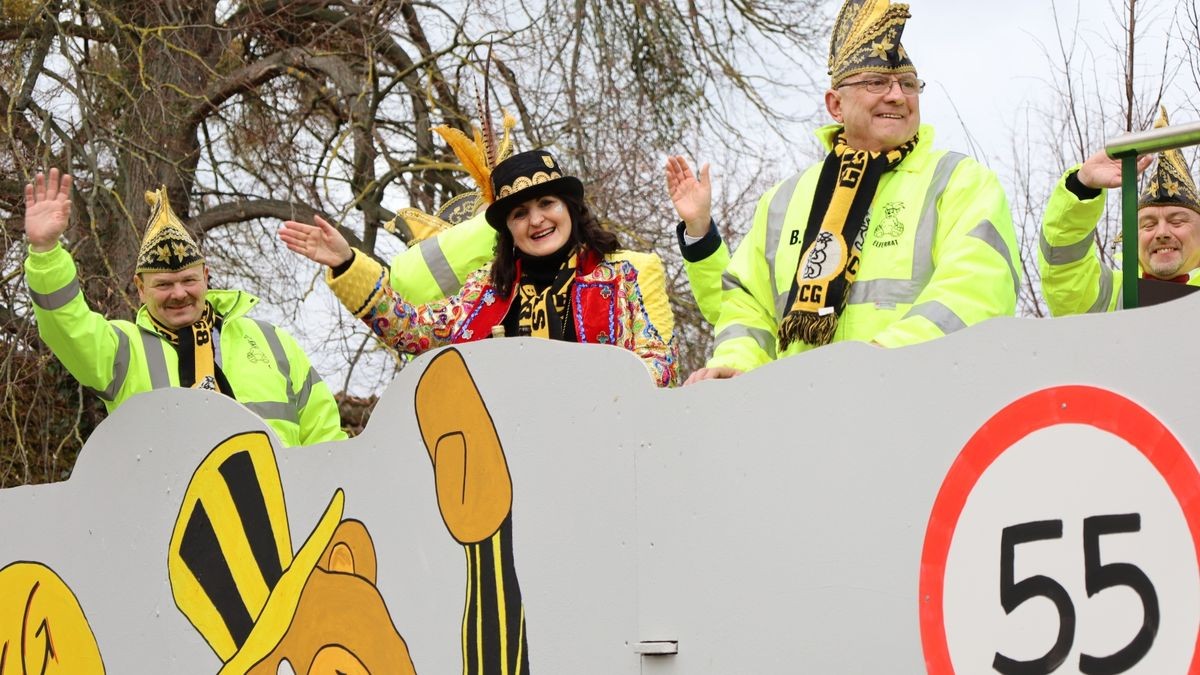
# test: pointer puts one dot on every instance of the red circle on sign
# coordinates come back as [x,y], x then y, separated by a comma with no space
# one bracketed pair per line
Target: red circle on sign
[1074,404]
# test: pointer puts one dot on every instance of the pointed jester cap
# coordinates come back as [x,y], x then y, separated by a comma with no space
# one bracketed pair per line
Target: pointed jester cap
[866,39]
[167,246]
[1172,183]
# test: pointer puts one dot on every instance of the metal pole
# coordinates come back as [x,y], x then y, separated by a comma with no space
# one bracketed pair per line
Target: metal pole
[1154,140]
[1129,234]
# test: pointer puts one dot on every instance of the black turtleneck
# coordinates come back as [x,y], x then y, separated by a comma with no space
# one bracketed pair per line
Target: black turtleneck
[541,272]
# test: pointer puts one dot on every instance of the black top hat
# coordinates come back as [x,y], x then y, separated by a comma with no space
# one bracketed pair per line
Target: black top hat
[526,176]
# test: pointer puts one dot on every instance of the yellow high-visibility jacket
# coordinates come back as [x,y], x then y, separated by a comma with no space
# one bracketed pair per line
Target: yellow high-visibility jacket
[269,373]
[435,268]
[939,254]
[1075,280]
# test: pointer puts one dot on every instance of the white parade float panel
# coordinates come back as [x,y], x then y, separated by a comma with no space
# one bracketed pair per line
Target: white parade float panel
[1021,496]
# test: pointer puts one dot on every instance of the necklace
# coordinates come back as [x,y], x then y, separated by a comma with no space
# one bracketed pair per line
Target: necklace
[566,312]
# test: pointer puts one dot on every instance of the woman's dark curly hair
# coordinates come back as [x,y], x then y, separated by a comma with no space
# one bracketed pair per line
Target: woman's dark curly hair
[585,231]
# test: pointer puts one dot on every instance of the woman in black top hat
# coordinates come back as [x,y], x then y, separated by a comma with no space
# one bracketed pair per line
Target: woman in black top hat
[556,274]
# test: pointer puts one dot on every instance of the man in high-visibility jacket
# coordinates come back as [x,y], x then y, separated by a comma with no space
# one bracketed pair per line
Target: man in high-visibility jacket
[1074,278]
[886,241]
[185,335]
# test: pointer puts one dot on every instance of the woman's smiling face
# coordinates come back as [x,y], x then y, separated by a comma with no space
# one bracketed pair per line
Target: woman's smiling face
[540,226]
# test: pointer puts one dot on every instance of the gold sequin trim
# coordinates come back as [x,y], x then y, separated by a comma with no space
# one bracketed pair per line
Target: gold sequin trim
[525,182]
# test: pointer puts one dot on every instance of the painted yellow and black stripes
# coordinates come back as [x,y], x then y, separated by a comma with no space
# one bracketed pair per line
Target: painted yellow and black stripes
[200,549]
[493,631]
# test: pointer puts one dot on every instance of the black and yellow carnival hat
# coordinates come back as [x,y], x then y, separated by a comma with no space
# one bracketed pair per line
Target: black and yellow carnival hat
[230,559]
[166,246]
[525,176]
[866,39]
[1172,183]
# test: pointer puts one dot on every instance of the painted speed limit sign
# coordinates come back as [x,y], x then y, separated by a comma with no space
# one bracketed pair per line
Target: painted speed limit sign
[1065,539]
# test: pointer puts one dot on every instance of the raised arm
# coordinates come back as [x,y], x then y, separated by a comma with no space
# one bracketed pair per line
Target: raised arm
[88,345]
[436,267]
[706,256]
[691,194]
[1075,280]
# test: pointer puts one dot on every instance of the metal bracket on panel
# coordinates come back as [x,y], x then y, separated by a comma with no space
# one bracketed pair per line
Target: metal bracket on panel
[656,647]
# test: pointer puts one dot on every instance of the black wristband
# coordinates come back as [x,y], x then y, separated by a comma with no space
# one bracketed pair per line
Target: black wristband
[1080,190]
[700,250]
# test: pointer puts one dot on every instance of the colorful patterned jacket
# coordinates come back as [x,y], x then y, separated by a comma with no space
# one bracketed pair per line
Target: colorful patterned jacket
[608,307]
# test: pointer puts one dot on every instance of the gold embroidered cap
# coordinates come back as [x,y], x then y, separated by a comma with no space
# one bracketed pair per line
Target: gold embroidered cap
[1172,183]
[525,176]
[166,246]
[866,39]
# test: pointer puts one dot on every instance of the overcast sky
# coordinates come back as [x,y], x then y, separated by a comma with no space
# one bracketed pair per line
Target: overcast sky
[988,60]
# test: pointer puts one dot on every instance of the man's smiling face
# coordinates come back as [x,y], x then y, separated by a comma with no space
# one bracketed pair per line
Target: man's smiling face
[876,122]
[1168,240]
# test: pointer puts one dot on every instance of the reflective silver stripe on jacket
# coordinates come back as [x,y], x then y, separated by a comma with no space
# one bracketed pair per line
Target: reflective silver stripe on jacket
[776,214]
[439,266]
[730,282]
[275,410]
[306,389]
[1062,255]
[278,410]
[1106,291]
[942,316]
[893,292]
[56,299]
[987,232]
[120,367]
[156,360]
[764,338]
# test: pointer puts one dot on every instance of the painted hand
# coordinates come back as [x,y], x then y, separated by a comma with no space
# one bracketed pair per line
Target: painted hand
[474,488]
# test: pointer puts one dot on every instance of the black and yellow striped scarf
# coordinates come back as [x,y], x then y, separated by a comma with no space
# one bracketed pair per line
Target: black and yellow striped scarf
[833,239]
[197,355]
[544,313]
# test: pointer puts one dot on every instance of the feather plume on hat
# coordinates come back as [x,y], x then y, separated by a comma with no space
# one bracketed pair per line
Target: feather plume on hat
[477,154]
[480,154]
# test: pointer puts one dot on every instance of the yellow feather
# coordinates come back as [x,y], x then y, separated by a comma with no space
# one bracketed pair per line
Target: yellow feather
[471,154]
[506,143]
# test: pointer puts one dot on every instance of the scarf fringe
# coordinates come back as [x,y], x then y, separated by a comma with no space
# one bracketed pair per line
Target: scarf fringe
[808,327]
